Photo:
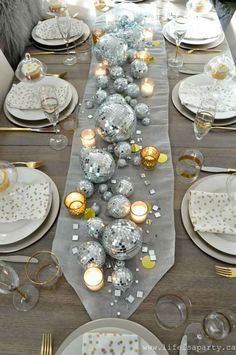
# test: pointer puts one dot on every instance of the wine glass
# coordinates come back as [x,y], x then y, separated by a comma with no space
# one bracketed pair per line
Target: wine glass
[25,297]
[64,26]
[8,177]
[204,118]
[50,105]
[179,29]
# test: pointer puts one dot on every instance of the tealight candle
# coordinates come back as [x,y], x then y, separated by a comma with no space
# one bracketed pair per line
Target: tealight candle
[97,34]
[148,35]
[139,211]
[100,69]
[75,202]
[144,55]
[149,157]
[147,87]
[93,278]
[88,138]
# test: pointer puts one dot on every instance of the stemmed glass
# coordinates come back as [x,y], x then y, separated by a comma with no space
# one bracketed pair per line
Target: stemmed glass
[180,26]
[24,297]
[64,26]
[50,105]
[204,118]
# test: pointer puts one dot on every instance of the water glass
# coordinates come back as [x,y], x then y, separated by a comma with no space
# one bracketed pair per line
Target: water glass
[189,165]
[180,26]
[204,118]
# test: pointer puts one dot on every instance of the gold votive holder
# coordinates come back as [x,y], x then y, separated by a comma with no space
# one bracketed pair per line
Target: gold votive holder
[100,69]
[149,157]
[100,5]
[75,202]
[147,87]
[93,278]
[143,55]
[88,138]
[148,34]
[139,211]
[97,34]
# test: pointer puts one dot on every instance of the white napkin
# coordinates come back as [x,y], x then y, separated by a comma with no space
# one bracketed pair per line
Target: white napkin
[212,212]
[25,97]
[110,343]
[202,29]
[25,202]
[48,29]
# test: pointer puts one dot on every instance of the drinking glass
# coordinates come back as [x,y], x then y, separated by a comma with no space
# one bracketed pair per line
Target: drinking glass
[204,118]
[64,25]
[189,165]
[180,26]
[8,177]
[50,106]
[199,7]
[24,297]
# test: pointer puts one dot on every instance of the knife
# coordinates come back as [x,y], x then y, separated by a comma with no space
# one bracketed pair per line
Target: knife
[216,169]
[183,346]
[26,129]
[48,52]
[19,259]
[189,71]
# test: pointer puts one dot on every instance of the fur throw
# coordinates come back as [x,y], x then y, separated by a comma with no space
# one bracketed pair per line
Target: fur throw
[17,18]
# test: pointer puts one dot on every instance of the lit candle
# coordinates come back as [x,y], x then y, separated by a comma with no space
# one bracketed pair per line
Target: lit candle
[75,203]
[139,211]
[147,86]
[100,5]
[149,157]
[100,69]
[144,55]
[88,138]
[97,34]
[93,278]
[148,35]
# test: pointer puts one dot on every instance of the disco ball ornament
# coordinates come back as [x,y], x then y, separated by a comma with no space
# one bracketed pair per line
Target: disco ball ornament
[122,239]
[86,186]
[146,121]
[100,96]
[138,69]
[122,278]
[127,99]
[107,195]
[116,72]
[115,99]
[136,160]
[113,49]
[95,227]
[141,110]
[118,206]
[98,165]
[97,52]
[103,188]
[133,103]
[133,36]
[132,90]
[110,148]
[91,254]
[129,78]
[122,149]
[89,103]
[121,163]
[125,21]
[96,207]
[120,85]
[123,186]
[115,122]
[131,55]
[102,81]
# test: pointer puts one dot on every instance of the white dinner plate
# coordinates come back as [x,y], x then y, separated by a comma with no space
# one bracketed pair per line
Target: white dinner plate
[13,232]
[149,344]
[37,115]
[56,42]
[223,242]
[203,79]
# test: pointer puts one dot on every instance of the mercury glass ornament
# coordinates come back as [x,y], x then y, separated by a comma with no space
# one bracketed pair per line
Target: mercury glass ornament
[146,121]
[120,85]
[89,103]
[123,187]
[121,163]
[122,278]
[96,207]
[100,96]
[107,195]
[132,90]
[97,164]
[138,69]
[115,122]
[103,188]
[86,186]
[95,227]
[122,149]
[116,72]
[122,239]
[115,99]
[118,206]
[102,81]
[113,49]
[91,254]
[141,110]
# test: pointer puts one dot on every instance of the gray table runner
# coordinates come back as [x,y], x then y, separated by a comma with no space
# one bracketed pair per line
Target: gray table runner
[158,236]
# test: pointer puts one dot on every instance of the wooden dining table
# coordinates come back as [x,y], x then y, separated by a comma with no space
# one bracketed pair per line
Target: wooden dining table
[59,310]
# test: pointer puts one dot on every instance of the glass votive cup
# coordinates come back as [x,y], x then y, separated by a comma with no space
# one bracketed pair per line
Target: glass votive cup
[219,324]
[172,310]
[148,34]
[97,33]
[75,202]
[93,278]
[100,69]
[147,87]
[149,157]
[189,164]
[143,55]
[139,211]
[88,138]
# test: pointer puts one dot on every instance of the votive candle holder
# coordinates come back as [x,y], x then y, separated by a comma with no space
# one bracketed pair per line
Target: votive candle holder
[139,211]
[93,278]
[88,138]
[149,157]
[75,202]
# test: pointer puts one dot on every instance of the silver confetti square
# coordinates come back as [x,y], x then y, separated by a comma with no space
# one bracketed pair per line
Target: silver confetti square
[157,214]
[142,175]
[75,226]
[138,131]
[139,294]
[144,249]
[153,257]
[74,250]
[152,192]
[132,141]
[155,208]
[113,181]
[109,279]
[75,237]
[117,293]
[139,140]
[90,116]
[147,182]
[137,269]
[151,252]
[130,299]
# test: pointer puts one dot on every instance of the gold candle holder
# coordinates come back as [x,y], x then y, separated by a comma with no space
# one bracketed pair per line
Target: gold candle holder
[75,203]
[149,157]
[88,138]
[93,278]
[143,55]
[100,69]
[147,87]
[97,34]
[139,211]
[148,34]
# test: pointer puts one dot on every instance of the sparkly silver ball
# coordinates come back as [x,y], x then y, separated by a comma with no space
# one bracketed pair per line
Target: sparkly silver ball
[100,96]
[122,278]
[141,110]
[122,149]
[120,84]
[123,187]
[136,160]
[86,186]
[116,72]
[118,206]
[131,55]
[138,69]
[113,49]
[110,148]
[122,239]
[121,163]
[115,99]
[97,52]
[107,195]
[127,99]
[91,254]
[102,81]
[130,79]
[95,227]
[115,122]
[97,165]
[96,207]
[133,35]
[133,103]
[89,103]
[146,121]
[103,188]
[132,90]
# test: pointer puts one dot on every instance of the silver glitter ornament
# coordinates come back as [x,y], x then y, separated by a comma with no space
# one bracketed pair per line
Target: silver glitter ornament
[86,186]
[118,206]
[123,187]
[115,122]
[91,254]
[132,90]
[96,207]
[115,99]
[146,121]
[103,188]
[95,227]
[138,69]
[122,149]
[136,160]
[122,239]
[133,103]
[89,103]
[116,72]
[100,96]
[112,49]
[97,165]
[122,278]
[121,163]
[107,195]
[120,85]
[102,81]
[141,110]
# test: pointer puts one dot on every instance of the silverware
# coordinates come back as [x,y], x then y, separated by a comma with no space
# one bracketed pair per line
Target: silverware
[60,75]
[30,164]
[190,51]
[50,52]
[26,129]
[19,259]
[46,345]
[189,71]
[216,169]
[225,128]
[183,346]
[226,271]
